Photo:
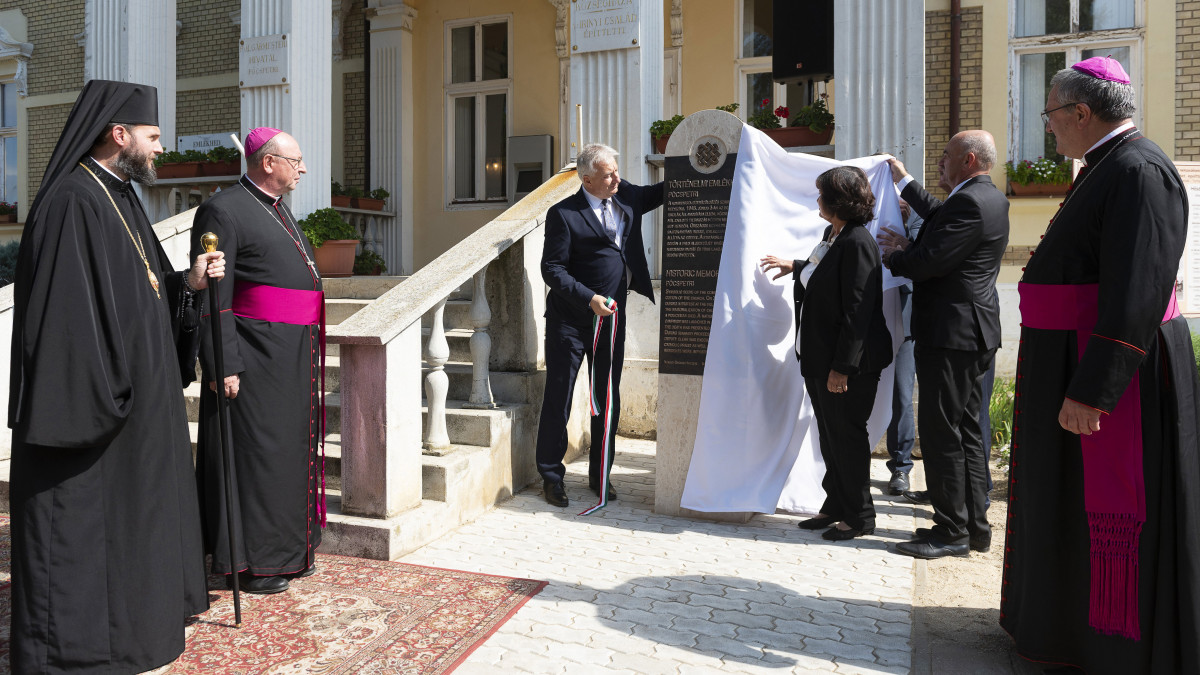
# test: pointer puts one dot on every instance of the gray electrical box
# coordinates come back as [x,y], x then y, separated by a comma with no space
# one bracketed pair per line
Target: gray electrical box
[529,164]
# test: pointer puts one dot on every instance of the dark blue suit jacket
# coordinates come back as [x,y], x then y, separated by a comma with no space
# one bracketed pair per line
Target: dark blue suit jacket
[579,260]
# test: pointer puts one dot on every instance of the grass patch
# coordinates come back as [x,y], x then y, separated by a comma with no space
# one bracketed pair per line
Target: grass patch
[1000,412]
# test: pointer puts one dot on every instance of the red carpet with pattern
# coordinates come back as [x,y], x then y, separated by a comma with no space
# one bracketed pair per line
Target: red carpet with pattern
[352,616]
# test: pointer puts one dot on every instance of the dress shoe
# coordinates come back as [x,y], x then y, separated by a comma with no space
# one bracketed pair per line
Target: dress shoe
[260,585]
[817,523]
[978,544]
[834,534]
[612,491]
[917,496]
[898,484]
[931,549]
[556,493]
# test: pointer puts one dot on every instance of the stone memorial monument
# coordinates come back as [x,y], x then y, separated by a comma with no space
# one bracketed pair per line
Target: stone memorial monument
[699,165]
[1189,266]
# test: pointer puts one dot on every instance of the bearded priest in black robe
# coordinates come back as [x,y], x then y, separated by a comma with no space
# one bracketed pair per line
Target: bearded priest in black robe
[107,560]
[271,317]
[1102,558]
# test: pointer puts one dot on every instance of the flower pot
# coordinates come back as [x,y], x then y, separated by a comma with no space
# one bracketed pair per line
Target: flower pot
[1039,189]
[793,137]
[8,217]
[335,258]
[180,170]
[339,201]
[368,204]
[233,168]
[660,144]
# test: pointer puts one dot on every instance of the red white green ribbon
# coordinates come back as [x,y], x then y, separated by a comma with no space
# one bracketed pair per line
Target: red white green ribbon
[605,449]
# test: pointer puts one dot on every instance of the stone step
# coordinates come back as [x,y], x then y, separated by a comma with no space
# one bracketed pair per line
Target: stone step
[457,315]
[458,339]
[338,310]
[517,387]
[467,426]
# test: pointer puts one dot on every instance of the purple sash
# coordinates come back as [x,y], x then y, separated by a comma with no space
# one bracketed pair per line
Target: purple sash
[1113,485]
[288,305]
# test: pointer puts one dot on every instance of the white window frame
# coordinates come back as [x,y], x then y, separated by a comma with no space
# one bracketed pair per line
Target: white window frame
[12,132]
[480,89]
[752,65]
[1073,44]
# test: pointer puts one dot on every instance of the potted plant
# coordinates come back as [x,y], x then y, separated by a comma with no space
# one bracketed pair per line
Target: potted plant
[660,132]
[369,263]
[816,119]
[1043,177]
[8,212]
[764,118]
[223,161]
[338,197]
[373,201]
[172,164]
[333,241]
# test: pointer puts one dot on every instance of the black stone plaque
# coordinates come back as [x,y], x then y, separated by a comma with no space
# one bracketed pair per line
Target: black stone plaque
[698,187]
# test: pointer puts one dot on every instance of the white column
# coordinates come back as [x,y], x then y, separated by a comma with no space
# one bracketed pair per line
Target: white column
[301,105]
[134,41]
[391,134]
[621,94]
[890,74]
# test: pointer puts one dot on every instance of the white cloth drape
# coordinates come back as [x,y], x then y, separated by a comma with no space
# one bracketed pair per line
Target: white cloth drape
[756,442]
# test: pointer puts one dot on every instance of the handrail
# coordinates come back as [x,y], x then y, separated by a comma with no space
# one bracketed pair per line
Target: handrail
[405,304]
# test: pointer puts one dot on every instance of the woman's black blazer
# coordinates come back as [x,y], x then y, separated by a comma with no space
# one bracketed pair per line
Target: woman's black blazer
[843,327]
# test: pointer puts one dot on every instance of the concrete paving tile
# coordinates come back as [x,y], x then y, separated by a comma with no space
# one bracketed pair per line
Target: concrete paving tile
[839,649]
[580,654]
[638,663]
[715,644]
[623,643]
[683,609]
[844,621]
[902,659]
[779,611]
[808,630]
[743,619]
[894,628]
[875,640]
[879,613]
[665,636]
[531,663]
[641,617]
[853,667]
[695,587]
[703,627]
[690,669]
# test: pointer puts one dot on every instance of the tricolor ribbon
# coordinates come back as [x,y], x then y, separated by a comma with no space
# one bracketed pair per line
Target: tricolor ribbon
[605,448]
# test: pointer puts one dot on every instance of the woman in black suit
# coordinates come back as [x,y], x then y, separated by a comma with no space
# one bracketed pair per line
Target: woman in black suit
[843,344]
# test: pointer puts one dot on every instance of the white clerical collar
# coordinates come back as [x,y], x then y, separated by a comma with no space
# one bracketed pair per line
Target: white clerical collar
[251,180]
[110,171]
[1112,134]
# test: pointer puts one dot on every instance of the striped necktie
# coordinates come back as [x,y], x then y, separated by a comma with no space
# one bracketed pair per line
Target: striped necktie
[610,228]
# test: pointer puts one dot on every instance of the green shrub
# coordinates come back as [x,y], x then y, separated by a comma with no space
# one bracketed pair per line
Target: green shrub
[324,224]
[1196,349]
[369,262]
[1000,412]
[223,154]
[8,262]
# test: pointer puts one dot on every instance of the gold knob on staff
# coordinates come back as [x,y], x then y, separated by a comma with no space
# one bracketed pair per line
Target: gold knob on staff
[209,241]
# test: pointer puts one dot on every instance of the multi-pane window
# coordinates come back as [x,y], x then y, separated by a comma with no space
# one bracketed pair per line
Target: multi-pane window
[754,58]
[8,136]
[1049,35]
[478,95]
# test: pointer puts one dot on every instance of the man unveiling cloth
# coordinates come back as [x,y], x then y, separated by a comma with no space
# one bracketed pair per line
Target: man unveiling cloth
[106,552]
[1102,559]
[271,314]
[756,441]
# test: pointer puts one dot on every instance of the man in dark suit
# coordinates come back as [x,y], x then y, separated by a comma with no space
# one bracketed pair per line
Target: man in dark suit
[956,327]
[593,257]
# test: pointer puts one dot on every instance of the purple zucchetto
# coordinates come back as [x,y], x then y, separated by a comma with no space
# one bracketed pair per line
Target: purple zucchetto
[1104,68]
[258,138]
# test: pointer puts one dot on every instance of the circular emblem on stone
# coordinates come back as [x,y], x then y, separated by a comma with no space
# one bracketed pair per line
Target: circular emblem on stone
[708,154]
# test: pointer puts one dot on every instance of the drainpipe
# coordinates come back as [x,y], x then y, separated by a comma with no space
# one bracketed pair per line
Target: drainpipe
[955,62]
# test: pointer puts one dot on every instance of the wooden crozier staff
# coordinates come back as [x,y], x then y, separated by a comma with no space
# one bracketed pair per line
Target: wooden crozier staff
[209,241]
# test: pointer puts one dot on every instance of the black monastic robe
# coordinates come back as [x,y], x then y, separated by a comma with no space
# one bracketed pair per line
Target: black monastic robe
[107,557]
[275,419]
[1122,226]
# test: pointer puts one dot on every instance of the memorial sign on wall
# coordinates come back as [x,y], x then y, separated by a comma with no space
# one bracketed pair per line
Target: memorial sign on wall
[263,61]
[204,142]
[1189,266]
[599,25]
[698,187]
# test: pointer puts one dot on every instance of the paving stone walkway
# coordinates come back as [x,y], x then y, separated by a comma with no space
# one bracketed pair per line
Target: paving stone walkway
[634,592]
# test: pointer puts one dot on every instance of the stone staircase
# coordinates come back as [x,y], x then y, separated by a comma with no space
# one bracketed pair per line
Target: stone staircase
[491,451]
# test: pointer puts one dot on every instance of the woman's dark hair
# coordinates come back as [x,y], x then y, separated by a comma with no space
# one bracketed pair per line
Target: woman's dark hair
[846,193]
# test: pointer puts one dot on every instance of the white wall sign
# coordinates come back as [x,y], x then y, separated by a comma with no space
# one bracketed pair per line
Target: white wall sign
[599,25]
[263,61]
[204,142]
[1189,267]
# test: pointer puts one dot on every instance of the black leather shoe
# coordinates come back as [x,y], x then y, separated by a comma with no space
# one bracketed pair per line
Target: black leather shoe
[260,585]
[898,484]
[978,544]
[834,534]
[556,493]
[311,570]
[612,491]
[917,496]
[820,522]
[931,549]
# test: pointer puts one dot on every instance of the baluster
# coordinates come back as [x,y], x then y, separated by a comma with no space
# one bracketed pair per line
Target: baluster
[437,384]
[481,346]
